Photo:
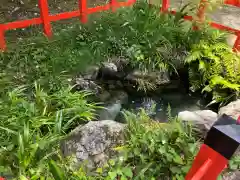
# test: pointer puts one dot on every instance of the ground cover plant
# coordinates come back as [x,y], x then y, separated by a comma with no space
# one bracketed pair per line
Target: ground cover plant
[39,107]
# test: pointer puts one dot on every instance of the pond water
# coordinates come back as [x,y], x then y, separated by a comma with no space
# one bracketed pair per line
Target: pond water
[177,101]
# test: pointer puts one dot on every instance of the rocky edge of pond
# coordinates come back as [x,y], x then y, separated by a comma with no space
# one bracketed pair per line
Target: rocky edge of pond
[112,82]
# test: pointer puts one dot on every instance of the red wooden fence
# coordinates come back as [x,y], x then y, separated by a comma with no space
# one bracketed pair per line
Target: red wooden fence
[46,18]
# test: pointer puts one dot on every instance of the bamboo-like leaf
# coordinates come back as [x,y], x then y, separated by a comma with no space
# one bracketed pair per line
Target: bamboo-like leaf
[58,122]
[56,171]
[26,133]
[9,130]
[20,147]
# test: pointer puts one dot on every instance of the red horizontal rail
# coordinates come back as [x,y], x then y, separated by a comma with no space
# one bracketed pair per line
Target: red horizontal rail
[233,2]
[225,28]
[65,15]
[22,24]
[83,12]
[98,9]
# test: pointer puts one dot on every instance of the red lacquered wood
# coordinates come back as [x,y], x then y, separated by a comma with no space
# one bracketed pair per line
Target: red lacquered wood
[236,47]
[233,2]
[225,28]
[22,23]
[113,4]
[207,165]
[2,39]
[165,5]
[83,10]
[66,15]
[202,170]
[99,9]
[43,5]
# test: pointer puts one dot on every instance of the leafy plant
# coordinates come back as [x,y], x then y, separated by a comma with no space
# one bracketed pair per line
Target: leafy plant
[234,163]
[156,150]
[215,68]
[31,124]
[38,108]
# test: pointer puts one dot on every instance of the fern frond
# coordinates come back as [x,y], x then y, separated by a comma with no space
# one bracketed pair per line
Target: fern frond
[218,80]
[220,46]
[194,57]
[218,36]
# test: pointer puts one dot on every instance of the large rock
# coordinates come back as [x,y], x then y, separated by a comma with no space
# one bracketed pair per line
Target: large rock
[85,84]
[91,73]
[121,63]
[93,143]
[232,109]
[203,119]
[109,66]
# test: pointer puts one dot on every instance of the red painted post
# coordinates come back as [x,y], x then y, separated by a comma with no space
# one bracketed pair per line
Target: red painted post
[113,4]
[220,144]
[208,164]
[43,5]
[202,170]
[83,10]
[165,5]
[236,46]
[2,39]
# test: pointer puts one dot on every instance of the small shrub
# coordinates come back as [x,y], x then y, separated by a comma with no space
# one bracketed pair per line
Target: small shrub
[215,68]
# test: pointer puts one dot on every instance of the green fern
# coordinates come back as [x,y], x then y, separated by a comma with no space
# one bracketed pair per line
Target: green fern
[145,85]
[214,68]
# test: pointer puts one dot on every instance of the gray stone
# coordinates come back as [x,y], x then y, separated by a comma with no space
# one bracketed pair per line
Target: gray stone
[235,175]
[232,109]
[84,84]
[120,62]
[109,66]
[91,73]
[93,142]
[203,119]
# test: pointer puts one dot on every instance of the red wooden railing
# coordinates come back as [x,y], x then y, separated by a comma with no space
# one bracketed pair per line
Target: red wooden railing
[46,18]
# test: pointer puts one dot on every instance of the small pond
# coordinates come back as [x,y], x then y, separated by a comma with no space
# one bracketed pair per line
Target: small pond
[177,101]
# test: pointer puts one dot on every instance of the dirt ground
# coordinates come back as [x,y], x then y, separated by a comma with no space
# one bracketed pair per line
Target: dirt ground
[11,10]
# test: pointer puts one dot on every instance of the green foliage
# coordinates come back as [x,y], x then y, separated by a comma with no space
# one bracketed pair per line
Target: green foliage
[155,150]
[35,118]
[32,123]
[234,163]
[215,68]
